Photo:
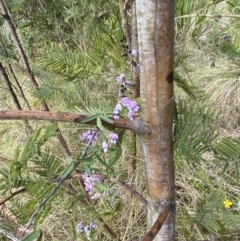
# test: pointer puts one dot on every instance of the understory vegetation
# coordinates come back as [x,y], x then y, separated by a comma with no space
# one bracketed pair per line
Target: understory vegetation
[76,52]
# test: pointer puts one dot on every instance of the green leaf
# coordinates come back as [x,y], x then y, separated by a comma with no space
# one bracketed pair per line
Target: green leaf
[99,123]
[33,235]
[102,162]
[68,170]
[106,119]
[90,118]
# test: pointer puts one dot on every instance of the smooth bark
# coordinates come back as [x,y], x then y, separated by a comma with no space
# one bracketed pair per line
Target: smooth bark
[156,40]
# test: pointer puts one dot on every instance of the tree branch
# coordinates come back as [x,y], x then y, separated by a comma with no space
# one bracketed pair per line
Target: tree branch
[137,125]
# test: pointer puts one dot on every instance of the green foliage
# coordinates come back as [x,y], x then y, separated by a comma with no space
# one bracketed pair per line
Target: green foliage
[193,131]
[68,63]
[228,151]
[33,235]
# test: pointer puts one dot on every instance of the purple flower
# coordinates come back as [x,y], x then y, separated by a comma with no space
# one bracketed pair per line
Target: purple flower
[89,182]
[132,105]
[92,225]
[115,117]
[138,68]
[87,230]
[80,227]
[105,146]
[120,78]
[131,114]
[134,53]
[88,186]
[117,109]
[90,135]
[85,135]
[125,101]
[113,137]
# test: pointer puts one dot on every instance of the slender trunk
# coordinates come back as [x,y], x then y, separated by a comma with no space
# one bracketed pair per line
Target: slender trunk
[156,40]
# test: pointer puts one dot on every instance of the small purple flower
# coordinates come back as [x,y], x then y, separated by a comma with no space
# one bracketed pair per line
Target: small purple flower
[87,230]
[90,135]
[132,105]
[89,182]
[131,114]
[125,101]
[88,186]
[92,225]
[85,135]
[134,53]
[80,227]
[138,68]
[113,137]
[105,146]
[115,117]
[120,78]
[117,109]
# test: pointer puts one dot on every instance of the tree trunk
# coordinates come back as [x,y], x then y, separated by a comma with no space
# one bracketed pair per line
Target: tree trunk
[156,47]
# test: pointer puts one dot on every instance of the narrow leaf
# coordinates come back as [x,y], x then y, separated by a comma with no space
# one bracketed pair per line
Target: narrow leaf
[99,123]
[68,170]
[106,119]
[90,118]
[33,235]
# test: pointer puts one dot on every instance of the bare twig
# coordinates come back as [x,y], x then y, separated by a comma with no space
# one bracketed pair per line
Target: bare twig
[21,190]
